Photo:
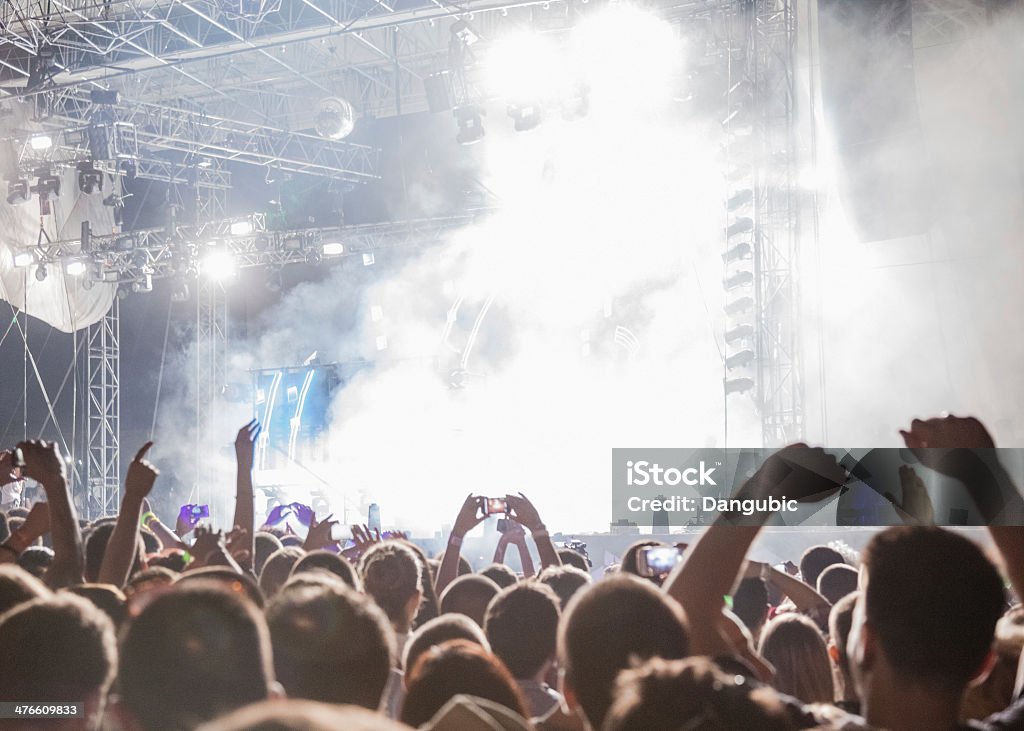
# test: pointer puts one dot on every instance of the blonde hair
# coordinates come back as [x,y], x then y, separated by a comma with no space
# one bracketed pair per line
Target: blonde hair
[795,646]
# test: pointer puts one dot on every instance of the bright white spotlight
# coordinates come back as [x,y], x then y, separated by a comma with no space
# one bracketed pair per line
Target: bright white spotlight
[219,265]
[376,313]
[524,68]
[334,249]
[76,268]
[382,342]
[41,142]
[23,259]
[241,228]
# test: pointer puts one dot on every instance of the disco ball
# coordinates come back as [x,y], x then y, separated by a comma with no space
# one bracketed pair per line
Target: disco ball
[335,118]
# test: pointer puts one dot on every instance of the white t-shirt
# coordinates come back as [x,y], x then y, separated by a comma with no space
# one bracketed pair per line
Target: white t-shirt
[11,494]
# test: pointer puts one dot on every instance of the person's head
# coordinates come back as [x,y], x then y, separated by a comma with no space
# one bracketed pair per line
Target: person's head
[608,627]
[440,630]
[36,559]
[327,561]
[840,619]
[151,578]
[17,586]
[96,545]
[928,606]
[996,692]
[264,544]
[453,668]
[500,574]
[815,560]
[794,646]
[392,576]
[300,715]
[668,695]
[330,644]
[837,581]
[5,529]
[230,580]
[572,557]
[469,595]
[108,599]
[750,604]
[429,607]
[630,559]
[521,624]
[192,654]
[59,648]
[565,581]
[277,569]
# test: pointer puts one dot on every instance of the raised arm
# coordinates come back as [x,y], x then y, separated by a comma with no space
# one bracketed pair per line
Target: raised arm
[514,535]
[958,447]
[712,566]
[123,545]
[468,518]
[245,510]
[804,598]
[524,513]
[44,464]
[36,525]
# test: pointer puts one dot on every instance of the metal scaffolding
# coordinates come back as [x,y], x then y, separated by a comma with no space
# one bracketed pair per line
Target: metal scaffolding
[211,344]
[103,415]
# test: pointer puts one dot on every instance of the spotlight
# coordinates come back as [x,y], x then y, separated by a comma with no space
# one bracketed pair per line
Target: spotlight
[742,225]
[739,360]
[18,191]
[41,273]
[739,305]
[382,342]
[23,259]
[90,179]
[471,125]
[41,142]
[334,249]
[48,185]
[76,268]
[376,313]
[335,118]
[462,30]
[241,228]
[524,117]
[368,259]
[218,265]
[739,279]
[740,251]
[739,332]
[738,385]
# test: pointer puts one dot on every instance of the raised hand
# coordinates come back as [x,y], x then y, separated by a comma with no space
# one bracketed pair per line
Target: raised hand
[514,533]
[303,513]
[917,505]
[797,472]
[207,542]
[237,543]
[245,444]
[943,443]
[279,513]
[362,538]
[469,516]
[43,463]
[187,519]
[141,475]
[522,511]
[319,535]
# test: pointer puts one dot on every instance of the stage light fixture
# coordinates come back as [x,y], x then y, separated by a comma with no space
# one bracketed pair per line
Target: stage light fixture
[40,142]
[464,32]
[41,273]
[23,259]
[739,305]
[334,248]
[218,265]
[376,313]
[90,179]
[740,198]
[241,228]
[143,285]
[382,342]
[739,279]
[368,259]
[740,226]
[738,385]
[335,118]
[524,118]
[740,251]
[18,191]
[740,332]
[140,258]
[471,125]
[314,256]
[76,268]
[739,360]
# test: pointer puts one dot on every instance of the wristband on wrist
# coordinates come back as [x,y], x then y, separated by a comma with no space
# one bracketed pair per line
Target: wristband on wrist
[147,518]
[454,540]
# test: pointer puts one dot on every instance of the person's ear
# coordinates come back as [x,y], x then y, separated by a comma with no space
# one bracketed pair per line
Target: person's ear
[862,648]
[984,670]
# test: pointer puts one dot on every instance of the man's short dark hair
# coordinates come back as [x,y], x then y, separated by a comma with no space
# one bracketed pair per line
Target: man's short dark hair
[750,603]
[192,654]
[837,581]
[331,644]
[500,574]
[391,575]
[522,626]
[36,560]
[299,715]
[108,599]
[265,544]
[439,630]
[572,557]
[327,561]
[815,560]
[277,569]
[608,627]
[17,585]
[933,600]
[565,581]
[469,595]
[58,648]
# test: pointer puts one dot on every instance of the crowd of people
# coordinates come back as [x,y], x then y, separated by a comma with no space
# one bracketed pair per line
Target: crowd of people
[153,627]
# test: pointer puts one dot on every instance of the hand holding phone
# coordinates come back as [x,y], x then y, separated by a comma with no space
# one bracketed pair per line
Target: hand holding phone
[658,561]
[495,506]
